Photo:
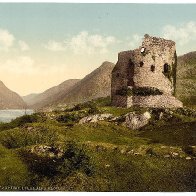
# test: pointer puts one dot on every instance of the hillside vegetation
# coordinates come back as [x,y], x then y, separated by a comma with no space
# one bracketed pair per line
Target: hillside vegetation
[52,150]
[186,79]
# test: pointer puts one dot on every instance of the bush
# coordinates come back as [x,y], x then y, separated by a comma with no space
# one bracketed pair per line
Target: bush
[67,118]
[93,109]
[190,150]
[146,91]
[139,91]
[73,159]
[20,121]
[71,117]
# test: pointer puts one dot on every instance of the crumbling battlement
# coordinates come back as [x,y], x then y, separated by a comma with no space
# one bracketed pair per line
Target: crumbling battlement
[149,70]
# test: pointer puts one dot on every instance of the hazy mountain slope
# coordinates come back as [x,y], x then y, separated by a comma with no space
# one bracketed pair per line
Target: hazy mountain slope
[29,99]
[186,78]
[94,85]
[51,95]
[10,99]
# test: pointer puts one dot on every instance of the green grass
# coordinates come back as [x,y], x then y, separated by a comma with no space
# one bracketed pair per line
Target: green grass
[39,133]
[137,173]
[106,133]
[178,134]
[13,172]
[104,147]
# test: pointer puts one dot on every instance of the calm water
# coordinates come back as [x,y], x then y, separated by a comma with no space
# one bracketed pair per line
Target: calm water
[8,115]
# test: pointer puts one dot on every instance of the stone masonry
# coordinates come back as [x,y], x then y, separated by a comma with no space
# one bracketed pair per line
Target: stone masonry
[146,76]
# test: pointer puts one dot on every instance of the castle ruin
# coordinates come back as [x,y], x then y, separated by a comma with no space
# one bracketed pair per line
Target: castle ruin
[146,76]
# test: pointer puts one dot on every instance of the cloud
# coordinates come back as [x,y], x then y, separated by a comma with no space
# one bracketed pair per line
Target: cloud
[6,40]
[88,43]
[134,41]
[20,64]
[55,46]
[182,34]
[84,42]
[23,45]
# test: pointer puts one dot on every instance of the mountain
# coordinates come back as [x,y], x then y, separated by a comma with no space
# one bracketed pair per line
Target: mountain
[49,96]
[10,99]
[186,78]
[29,99]
[94,85]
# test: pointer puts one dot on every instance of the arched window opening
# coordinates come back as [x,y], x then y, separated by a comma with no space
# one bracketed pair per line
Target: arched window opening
[141,64]
[152,68]
[165,68]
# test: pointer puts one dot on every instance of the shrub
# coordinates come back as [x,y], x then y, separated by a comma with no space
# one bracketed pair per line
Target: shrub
[20,121]
[73,159]
[189,150]
[66,118]
[139,91]
[146,91]
[93,109]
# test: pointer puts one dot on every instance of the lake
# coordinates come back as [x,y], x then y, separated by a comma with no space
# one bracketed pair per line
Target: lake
[8,115]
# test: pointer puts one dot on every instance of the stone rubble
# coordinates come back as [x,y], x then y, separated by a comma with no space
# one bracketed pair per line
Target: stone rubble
[135,121]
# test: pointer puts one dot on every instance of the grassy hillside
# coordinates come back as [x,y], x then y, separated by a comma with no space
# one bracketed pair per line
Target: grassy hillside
[186,79]
[53,150]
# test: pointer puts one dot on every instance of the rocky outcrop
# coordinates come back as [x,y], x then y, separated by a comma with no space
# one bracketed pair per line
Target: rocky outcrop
[47,151]
[135,121]
[95,118]
[131,120]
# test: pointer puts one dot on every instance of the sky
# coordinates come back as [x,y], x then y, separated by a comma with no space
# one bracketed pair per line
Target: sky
[44,44]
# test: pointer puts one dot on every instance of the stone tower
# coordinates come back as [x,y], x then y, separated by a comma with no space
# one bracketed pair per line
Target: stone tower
[146,76]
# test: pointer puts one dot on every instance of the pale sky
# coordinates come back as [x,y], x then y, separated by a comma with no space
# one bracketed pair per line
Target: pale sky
[42,45]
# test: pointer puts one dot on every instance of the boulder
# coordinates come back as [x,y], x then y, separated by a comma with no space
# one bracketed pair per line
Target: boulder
[47,151]
[95,118]
[135,121]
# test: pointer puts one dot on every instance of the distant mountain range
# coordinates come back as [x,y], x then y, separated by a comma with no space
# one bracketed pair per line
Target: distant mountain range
[98,84]
[10,99]
[50,96]
[94,85]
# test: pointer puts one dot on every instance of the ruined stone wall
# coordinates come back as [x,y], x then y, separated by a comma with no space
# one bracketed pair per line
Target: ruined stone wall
[120,78]
[158,101]
[152,65]
[157,53]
